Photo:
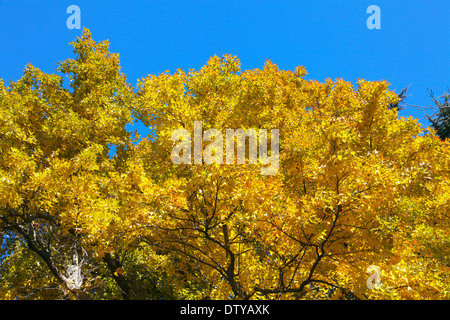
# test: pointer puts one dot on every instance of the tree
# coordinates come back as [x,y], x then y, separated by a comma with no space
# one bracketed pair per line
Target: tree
[440,120]
[356,186]
[58,202]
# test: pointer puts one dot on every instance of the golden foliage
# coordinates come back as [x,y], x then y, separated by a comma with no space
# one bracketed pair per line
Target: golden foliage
[357,186]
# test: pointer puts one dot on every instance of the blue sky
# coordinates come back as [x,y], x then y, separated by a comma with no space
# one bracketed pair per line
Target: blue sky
[330,38]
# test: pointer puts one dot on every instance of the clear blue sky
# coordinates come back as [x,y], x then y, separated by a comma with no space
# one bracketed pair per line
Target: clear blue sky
[329,37]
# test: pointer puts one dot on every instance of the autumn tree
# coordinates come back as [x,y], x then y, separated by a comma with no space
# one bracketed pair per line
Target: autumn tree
[60,193]
[355,186]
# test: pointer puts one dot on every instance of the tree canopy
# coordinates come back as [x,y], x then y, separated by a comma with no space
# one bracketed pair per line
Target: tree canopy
[357,186]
